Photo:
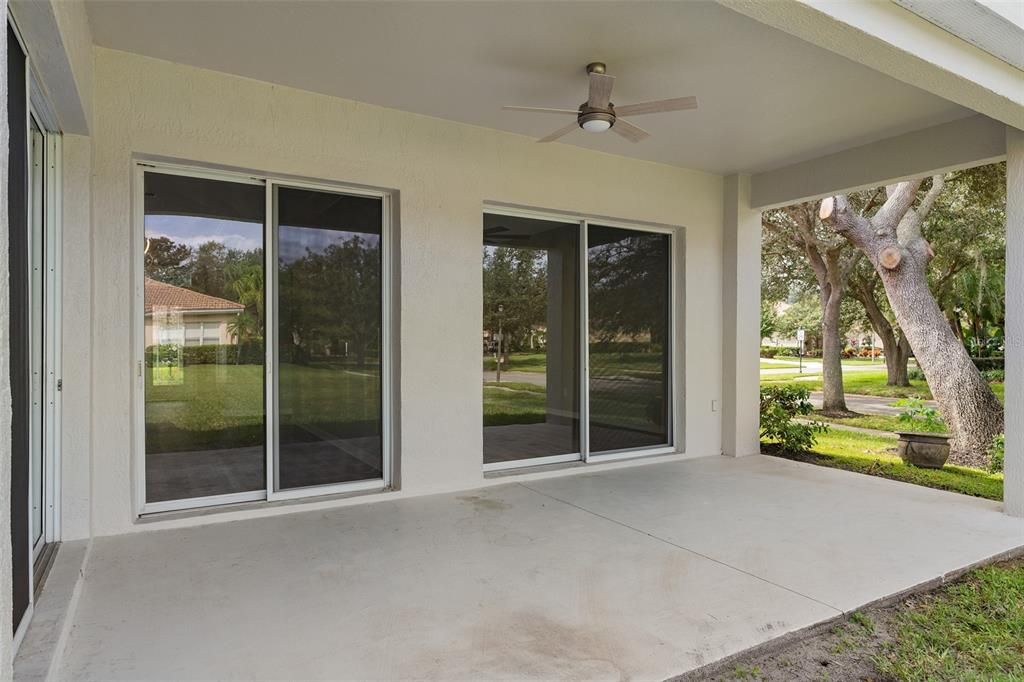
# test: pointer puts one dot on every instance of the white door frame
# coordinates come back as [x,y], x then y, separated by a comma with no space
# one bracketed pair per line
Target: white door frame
[584,221]
[269,492]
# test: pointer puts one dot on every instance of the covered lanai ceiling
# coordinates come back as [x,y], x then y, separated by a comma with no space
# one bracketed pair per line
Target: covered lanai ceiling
[767,99]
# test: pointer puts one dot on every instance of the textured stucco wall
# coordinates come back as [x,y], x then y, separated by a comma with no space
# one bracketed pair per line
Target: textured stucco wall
[76,371]
[444,172]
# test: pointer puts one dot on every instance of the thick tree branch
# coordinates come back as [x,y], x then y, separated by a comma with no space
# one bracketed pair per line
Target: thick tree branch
[900,199]
[938,183]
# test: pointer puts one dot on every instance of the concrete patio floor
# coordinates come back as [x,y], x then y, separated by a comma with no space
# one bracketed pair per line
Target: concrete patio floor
[643,573]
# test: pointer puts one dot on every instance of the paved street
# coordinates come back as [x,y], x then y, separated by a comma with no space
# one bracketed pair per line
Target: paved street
[867,404]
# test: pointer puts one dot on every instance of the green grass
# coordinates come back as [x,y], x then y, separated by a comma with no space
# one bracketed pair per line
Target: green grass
[222,405]
[513,403]
[971,630]
[876,456]
[766,364]
[878,422]
[866,383]
[518,362]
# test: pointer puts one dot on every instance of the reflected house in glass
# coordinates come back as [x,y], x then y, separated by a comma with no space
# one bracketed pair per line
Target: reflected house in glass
[178,315]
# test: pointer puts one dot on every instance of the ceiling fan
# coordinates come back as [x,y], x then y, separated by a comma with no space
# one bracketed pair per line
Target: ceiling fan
[598,114]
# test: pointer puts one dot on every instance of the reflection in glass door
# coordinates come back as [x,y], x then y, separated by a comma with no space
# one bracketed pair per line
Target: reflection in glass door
[329,303]
[203,334]
[531,342]
[628,305]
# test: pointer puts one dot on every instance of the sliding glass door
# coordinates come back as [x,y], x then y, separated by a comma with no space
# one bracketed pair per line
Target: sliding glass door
[203,329]
[577,342]
[531,343]
[263,339]
[628,298]
[329,331]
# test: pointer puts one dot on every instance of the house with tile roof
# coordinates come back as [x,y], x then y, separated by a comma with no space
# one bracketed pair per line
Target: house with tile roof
[175,314]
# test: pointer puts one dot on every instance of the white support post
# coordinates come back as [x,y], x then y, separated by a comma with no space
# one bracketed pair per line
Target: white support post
[1013,484]
[741,323]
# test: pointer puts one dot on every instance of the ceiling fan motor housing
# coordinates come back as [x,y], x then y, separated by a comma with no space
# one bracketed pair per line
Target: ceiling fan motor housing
[588,113]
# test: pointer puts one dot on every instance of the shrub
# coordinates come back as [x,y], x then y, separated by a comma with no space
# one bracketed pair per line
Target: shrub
[996,454]
[786,353]
[994,375]
[247,353]
[780,407]
[915,374]
[989,363]
[768,352]
[916,414]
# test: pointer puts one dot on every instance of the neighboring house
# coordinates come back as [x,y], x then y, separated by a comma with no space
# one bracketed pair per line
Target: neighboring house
[178,315]
[358,153]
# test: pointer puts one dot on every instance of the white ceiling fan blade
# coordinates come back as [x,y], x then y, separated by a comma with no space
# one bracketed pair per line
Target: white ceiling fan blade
[677,104]
[559,133]
[629,131]
[600,90]
[543,110]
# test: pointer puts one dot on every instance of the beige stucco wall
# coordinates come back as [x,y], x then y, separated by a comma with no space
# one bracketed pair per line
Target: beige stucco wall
[444,172]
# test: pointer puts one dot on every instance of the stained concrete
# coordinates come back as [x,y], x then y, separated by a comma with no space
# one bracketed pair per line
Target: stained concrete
[639,573]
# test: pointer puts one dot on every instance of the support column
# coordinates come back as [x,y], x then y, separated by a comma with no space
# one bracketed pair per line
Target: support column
[1013,485]
[741,320]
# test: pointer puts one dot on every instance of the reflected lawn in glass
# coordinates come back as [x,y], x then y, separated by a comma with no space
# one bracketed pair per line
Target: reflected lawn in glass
[203,289]
[330,303]
[629,334]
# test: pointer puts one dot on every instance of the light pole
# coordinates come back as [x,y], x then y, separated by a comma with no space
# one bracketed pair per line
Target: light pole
[501,313]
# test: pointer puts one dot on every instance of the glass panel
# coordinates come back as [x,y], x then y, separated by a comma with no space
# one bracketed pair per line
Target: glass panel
[329,338]
[531,343]
[205,429]
[628,304]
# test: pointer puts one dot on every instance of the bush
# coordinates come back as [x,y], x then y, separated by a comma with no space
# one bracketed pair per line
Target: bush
[780,406]
[247,353]
[996,454]
[989,363]
[915,374]
[768,352]
[917,414]
[993,375]
[786,353]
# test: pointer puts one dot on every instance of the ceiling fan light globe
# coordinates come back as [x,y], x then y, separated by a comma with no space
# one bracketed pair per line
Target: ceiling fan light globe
[596,125]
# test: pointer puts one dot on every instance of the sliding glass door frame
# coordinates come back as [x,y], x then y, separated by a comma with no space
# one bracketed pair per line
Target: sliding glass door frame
[271,336]
[581,240]
[269,492]
[583,223]
[671,446]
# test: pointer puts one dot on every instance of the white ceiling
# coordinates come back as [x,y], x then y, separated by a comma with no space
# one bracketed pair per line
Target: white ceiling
[766,99]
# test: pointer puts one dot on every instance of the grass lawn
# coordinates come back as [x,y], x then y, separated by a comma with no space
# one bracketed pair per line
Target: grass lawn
[866,383]
[519,362]
[971,630]
[879,422]
[778,364]
[223,405]
[876,456]
[513,403]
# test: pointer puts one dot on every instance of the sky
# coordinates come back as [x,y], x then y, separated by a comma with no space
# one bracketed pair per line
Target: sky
[245,236]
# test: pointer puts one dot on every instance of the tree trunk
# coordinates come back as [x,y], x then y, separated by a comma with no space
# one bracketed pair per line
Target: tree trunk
[898,369]
[892,241]
[834,401]
[896,350]
[970,409]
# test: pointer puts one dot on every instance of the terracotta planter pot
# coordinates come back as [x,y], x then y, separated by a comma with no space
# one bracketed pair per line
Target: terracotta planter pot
[925,450]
